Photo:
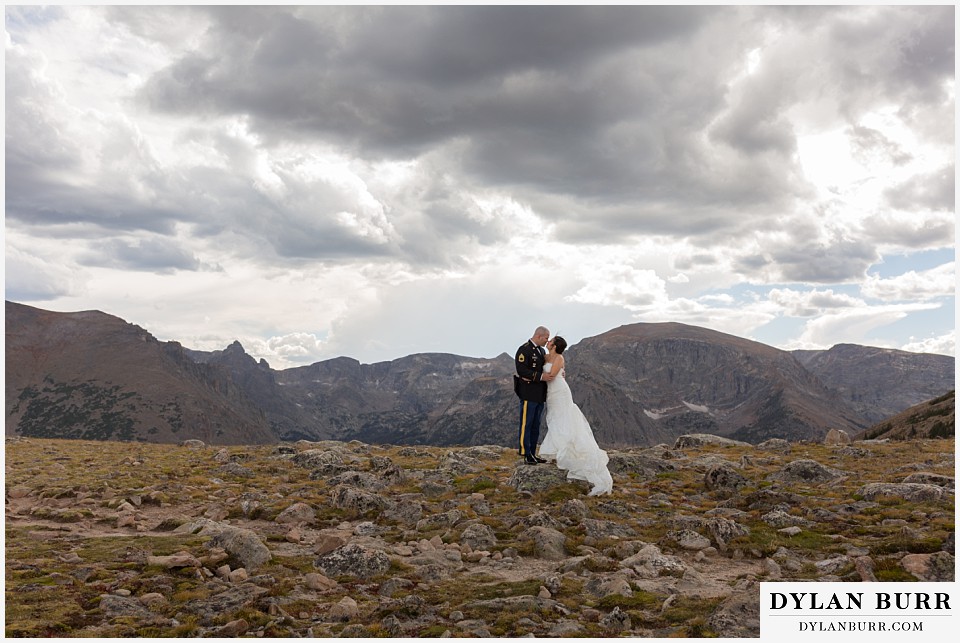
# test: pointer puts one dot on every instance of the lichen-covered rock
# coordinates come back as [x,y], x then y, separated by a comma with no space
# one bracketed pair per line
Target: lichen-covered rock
[358,500]
[922,477]
[654,561]
[405,512]
[616,621]
[232,599]
[234,469]
[359,479]
[806,471]
[602,587]
[607,529]
[193,444]
[776,445]
[778,518]
[723,530]
[353,560]
[345,610]
[538,519]
[688,539]
[479,537]
[178,560]
[695,440]
[935,568]
[723,477]
[243,545]
[575,509]
[836,437]
[739,615]
[911,491]
[833,564]
[297,513]
[540,478]
[459,463]
[643,465]
[547,543]
[437,521]
[124,606]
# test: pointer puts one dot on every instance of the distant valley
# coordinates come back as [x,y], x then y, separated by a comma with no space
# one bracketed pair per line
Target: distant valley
[91,375]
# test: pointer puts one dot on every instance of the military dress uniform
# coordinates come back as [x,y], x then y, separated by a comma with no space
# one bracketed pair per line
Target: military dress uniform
[533,394]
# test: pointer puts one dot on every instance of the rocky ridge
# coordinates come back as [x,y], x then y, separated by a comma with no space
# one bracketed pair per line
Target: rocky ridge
[934,418]
[350,539]
[93,376]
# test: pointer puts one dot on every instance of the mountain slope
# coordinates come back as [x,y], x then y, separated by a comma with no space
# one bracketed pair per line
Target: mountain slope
[934,418]
[90,375]
[430,398]
[652,382]
[880,382]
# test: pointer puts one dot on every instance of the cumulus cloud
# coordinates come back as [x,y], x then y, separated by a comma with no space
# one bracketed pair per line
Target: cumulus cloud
[30,277]
[913,285]
[293,348]
[942,345]
[812,302]
[935,190]
[853,326]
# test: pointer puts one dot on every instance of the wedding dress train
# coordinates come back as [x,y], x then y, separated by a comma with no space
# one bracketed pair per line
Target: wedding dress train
[570,439]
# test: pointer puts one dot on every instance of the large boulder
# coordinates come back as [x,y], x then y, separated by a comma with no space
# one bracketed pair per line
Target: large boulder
[911,491]
[643,465]
[935,568]
[358,500]
[723,477]
[540,478]
[353,560]
[806,471]
[723,530]
[776,445]
[739,615]
[923,477]
[836,437]
[297,513]
[243,545]
[547,543]
[479,537]
[695,440]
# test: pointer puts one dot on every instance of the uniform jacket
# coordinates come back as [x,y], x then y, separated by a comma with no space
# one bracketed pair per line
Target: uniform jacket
[526,383]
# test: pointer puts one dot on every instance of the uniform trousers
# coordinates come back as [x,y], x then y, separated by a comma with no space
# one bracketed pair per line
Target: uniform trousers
[530,415]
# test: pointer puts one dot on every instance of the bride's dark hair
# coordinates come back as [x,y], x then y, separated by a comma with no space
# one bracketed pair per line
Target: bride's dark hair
[559,344]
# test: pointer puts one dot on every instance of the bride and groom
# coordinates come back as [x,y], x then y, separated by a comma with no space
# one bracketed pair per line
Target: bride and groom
[541,385]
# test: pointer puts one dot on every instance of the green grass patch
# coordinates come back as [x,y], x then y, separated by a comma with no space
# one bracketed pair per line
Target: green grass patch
[640,600]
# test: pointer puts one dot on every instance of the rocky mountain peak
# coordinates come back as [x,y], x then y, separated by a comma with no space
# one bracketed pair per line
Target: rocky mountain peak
[639,384]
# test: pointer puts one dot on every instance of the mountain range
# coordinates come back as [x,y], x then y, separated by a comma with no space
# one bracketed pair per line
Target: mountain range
[91,375]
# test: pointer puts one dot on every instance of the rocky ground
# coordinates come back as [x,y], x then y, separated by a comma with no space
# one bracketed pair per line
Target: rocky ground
[347,539]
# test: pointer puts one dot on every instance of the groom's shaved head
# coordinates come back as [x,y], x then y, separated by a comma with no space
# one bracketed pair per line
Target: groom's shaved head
[541,335]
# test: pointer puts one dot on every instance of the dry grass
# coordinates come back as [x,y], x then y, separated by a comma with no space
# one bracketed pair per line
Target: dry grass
[76,487]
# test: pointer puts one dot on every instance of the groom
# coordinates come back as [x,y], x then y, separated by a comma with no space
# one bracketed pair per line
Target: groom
[530,385]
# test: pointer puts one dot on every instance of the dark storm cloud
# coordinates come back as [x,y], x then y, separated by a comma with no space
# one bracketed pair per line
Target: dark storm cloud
[594,102]
[604,104]
[609,122]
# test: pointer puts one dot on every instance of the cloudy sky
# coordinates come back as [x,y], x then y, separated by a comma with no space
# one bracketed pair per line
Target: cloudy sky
[376,181]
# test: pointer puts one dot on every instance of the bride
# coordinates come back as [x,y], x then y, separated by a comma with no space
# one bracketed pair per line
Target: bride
[569,436]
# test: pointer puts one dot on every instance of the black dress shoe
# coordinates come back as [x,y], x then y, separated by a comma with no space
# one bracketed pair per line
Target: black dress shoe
[539,459]
[529,459]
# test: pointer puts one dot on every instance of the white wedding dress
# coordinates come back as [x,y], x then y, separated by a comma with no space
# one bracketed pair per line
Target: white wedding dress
[570,439]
